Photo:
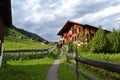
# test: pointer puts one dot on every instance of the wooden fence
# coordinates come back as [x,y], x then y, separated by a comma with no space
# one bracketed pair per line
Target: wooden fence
[96,63]
[27,53]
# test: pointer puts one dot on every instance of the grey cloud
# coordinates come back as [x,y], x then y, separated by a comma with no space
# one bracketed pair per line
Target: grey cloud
[93,6]
[47,27]
[108,22]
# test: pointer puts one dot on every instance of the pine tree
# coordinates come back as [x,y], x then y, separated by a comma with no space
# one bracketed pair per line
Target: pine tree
[119,40]
[98,42]
[114,41]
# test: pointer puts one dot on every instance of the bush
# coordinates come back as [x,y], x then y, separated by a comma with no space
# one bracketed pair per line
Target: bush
[71,46]
[83,48]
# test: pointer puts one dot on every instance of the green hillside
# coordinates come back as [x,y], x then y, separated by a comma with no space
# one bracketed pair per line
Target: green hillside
[11,32]
[29,34]
[16,40]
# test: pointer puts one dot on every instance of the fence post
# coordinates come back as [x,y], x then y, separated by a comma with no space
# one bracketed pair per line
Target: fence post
[4,59]
[32,51]
[67,60]
[4,53]
[19,52]
[48,51]
[77,64]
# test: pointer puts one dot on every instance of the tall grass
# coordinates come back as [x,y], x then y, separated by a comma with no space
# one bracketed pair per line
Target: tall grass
[106,75]
[115,57]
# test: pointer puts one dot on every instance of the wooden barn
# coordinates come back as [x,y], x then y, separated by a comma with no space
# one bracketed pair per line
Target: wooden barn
[5,20]
[73,31]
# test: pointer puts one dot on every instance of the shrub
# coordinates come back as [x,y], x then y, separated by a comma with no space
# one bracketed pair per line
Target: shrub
[71,46]
[83,48]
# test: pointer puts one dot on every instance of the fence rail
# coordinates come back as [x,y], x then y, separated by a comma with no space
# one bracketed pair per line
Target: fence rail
[24,50]
[80,72]
[96,63]
[101,64]
[52,49]
[20,53]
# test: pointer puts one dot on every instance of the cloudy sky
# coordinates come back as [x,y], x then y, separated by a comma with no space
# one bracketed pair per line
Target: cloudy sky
[47,17]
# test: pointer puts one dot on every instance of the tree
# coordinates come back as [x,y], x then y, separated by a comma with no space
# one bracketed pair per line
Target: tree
[98,42]
[119,40]
[114,41]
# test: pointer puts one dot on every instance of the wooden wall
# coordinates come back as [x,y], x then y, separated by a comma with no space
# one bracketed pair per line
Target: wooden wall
[1,29]
[75,30]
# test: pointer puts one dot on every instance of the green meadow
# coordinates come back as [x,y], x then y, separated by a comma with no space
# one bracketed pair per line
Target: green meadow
[12,43]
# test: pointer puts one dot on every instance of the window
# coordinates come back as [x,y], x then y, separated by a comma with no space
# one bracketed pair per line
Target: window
[75,30]
[70,35]
[65,37]
[73,38]
[79,29]
[72,30]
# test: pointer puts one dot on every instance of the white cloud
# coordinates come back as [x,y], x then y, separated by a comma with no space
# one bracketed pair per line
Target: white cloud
[103,13]
[100,17]
[67,8]
[53,5]
[40,17]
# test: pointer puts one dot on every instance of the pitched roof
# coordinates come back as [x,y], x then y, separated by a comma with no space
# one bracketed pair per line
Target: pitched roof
[5,12]
[69,24]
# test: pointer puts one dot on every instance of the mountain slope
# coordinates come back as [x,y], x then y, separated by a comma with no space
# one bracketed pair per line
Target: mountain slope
[30,34]
[16,40]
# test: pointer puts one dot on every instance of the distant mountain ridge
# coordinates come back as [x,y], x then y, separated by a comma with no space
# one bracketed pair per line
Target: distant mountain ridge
[30,34]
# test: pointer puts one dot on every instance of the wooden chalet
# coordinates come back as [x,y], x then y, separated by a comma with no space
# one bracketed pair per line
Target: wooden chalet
[5,20]
[73,31]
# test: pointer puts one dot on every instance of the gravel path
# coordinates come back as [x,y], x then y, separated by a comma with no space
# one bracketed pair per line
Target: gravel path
[52,74]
